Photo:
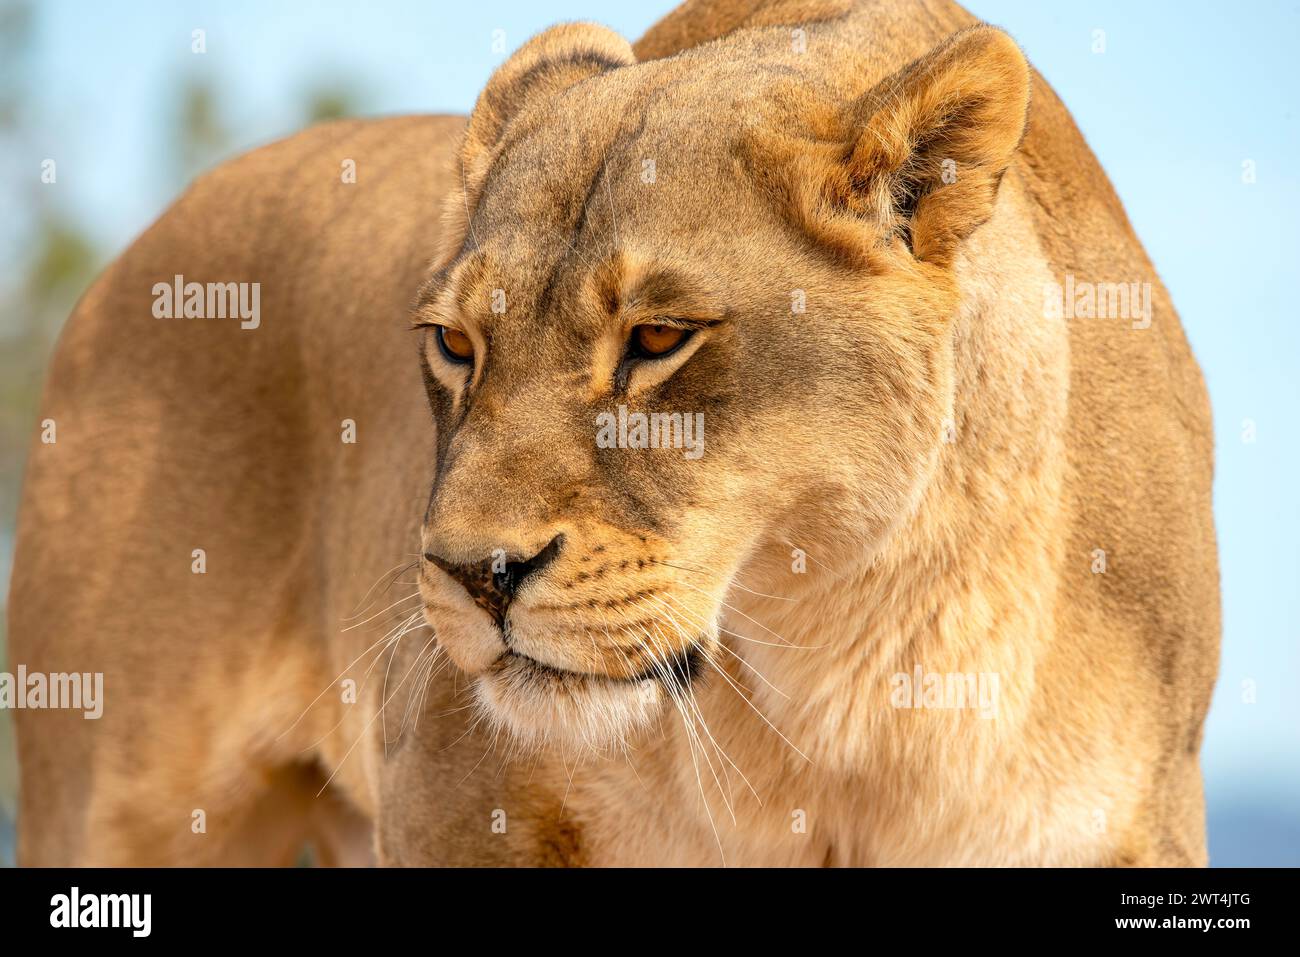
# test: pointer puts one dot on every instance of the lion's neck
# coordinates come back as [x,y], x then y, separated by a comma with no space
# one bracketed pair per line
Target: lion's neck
[965,583]
[847,697]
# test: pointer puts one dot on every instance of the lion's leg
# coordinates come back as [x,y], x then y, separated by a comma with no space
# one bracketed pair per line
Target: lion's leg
[1170,828]
[196,756]
[338,832]
[267,819]
[452,792]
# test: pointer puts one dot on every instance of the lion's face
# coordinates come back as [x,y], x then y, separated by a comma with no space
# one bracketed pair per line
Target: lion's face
[657,348]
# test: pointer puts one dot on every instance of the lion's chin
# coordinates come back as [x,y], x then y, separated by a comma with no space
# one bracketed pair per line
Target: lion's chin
[541,707]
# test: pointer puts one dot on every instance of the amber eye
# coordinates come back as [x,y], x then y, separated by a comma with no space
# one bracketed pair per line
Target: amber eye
[455,345]
[653,341]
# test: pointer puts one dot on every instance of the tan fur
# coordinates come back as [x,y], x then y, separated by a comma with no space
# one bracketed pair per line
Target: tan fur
[948,457]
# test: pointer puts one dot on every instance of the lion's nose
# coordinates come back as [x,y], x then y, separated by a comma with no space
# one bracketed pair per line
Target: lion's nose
[509,581]
[492,583]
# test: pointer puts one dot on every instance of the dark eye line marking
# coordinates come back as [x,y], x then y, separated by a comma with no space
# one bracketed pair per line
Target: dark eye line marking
[682,322]
[623,372]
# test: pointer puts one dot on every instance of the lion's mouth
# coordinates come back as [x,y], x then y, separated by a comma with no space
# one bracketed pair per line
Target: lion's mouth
[543,704]
[674,674]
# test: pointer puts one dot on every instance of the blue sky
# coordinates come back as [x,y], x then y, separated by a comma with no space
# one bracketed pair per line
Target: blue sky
[1182,95]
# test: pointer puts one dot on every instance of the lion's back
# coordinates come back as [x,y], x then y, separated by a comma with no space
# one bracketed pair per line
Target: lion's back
[213,444]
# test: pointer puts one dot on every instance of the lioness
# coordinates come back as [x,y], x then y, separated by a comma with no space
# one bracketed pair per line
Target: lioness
[769,511]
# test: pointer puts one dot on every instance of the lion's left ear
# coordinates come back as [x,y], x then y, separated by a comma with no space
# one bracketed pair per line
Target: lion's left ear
[933,142]
[545,66]
[536,73]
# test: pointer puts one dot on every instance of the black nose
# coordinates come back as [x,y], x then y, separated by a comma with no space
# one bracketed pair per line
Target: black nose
[492,586]
[509,580]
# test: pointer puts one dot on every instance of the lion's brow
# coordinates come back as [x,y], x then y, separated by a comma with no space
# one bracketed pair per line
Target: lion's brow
[661,289]
[463,269]
[666,291]
[427,295]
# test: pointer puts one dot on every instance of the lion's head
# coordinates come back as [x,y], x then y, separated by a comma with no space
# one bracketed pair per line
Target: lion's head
[688,308]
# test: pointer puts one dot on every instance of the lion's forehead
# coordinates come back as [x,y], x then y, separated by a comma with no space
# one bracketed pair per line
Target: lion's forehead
[613,153]
[615,176]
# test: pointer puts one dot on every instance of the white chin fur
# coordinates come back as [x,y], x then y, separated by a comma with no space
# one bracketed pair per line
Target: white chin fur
[572,714]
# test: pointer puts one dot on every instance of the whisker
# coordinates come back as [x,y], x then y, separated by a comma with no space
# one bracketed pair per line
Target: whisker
[733,584]
[758,712]
[399,601]
[721,644]
[687,637]
[828,568]
[382,707]
[336,680]
[394,572]
[676,689]
[784,641]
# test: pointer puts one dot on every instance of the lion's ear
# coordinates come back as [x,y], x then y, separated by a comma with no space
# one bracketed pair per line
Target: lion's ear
[546,65]
[930,144]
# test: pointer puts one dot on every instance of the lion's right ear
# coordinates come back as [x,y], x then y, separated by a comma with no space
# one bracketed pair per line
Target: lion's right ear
[928,162]
[545,66]
[919,158]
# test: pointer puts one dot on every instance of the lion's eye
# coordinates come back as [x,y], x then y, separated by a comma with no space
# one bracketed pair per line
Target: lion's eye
[655,341]
[455,345]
